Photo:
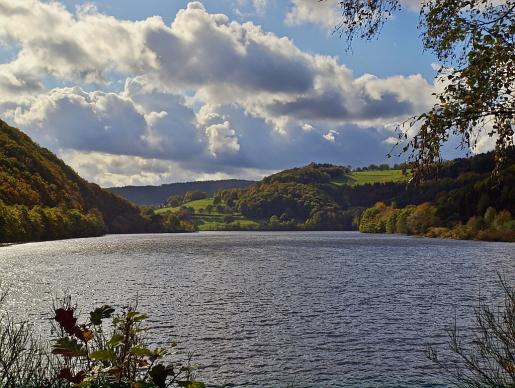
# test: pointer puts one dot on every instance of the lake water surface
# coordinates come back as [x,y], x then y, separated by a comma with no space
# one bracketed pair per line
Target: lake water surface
[275,308]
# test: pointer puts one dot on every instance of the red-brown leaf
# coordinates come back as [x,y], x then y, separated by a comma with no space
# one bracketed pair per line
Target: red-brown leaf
[66,374]
[66,320]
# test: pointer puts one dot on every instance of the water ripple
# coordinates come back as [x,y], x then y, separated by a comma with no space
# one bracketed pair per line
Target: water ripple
[274,309]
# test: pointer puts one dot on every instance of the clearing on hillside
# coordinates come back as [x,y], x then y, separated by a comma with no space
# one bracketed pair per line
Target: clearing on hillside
[376,176]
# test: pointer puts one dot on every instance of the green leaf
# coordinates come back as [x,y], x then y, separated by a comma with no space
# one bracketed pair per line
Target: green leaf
[136,316]
[141,351]
[103,355]
[116,340]
[68,347]
[84,384]
[100,313]
[117,320]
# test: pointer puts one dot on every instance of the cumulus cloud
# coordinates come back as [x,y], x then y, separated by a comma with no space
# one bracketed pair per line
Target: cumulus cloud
[324,13]
[83,46]
[110,170]
[222,139]
[204,94]
[109,122]
[330,135]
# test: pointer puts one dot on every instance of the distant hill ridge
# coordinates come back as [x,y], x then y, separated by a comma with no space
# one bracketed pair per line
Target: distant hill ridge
[157,195]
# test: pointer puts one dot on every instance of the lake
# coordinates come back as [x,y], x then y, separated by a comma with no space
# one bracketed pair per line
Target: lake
[274,308]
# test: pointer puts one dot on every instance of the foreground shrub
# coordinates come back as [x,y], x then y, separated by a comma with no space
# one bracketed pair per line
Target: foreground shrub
[24,362]
[422,220]
[489,359]
[94,356]
[89,354]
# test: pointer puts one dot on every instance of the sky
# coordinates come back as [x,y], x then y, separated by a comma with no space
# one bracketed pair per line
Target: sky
[132,92]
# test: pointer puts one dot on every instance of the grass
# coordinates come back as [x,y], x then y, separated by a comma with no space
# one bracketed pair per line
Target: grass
[196,205]
[362,177]
[206,222]
[237,225]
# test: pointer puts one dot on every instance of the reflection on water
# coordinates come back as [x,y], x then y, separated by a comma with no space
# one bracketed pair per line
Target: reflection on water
[278,308]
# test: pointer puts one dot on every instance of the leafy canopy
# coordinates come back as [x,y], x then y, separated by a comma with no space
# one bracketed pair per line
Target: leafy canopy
[475,43]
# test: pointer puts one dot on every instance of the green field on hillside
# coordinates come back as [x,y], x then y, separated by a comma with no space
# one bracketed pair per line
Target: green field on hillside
[206,222]
[363,177]
[196,205]
[213,221]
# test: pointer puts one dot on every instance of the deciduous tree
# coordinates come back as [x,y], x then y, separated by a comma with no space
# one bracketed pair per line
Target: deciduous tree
[474,41]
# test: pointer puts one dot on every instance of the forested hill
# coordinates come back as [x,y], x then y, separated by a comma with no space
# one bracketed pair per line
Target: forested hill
[41,198]
[465,201]
[157,195]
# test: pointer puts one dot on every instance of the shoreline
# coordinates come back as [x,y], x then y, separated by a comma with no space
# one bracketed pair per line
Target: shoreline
[8,244]
[2,245]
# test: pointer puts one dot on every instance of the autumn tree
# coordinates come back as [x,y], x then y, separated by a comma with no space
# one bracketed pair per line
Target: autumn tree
[474,42]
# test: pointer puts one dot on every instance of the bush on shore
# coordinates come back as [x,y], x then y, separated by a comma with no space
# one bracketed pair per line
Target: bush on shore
[484,356]
[90,354]
[423,220]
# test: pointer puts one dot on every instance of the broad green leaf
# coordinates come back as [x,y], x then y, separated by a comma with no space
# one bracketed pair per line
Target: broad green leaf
[100,313]
[103,355]
[136,316]
[68,347]
[141,351]
[116,340]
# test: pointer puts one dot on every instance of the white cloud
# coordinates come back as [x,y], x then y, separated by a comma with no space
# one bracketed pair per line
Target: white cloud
[205,93]
[324,13]
[108,122]
[259,6]
[391,140]
[222,139]
[80,47]
[110,170]
[307,127]
[330,135]
[327,13]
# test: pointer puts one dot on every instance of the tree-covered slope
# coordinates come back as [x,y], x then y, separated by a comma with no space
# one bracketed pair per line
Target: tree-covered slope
[322,196]
[303,197]
[42,198]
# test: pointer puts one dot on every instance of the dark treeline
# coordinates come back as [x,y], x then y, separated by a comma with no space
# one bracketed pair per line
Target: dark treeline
[382,167]
[22,223]
[158,195]
[41,198]
[178,200]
